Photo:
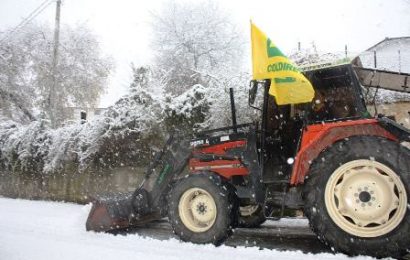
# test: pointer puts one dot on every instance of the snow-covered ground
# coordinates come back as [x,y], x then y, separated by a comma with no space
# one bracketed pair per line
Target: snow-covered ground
[38,230]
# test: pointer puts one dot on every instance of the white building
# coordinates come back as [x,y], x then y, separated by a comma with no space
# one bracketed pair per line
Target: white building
[387,65]
[73,114]
[391,54]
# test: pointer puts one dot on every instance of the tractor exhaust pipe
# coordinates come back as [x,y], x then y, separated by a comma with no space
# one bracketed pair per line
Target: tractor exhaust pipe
[233,111]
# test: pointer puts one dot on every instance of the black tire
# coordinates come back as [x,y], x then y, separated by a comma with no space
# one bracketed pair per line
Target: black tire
[225,207]
[254,220]
[396,242]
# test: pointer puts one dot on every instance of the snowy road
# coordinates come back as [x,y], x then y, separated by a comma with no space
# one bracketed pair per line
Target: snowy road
[37,230]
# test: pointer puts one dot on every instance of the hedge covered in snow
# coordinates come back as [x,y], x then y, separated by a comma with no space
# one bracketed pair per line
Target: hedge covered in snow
[126,134]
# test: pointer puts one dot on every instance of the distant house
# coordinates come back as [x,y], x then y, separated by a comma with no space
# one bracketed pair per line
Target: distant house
[73,114]
[391,54]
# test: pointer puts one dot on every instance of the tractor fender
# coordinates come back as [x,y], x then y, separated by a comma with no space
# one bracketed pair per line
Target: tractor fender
[318,137]
[402,133]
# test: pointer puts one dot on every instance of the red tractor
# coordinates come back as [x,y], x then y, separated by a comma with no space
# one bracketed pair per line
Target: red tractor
[349,172]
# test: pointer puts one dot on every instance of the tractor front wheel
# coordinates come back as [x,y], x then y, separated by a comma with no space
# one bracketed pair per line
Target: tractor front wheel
[357,195]
[201,209]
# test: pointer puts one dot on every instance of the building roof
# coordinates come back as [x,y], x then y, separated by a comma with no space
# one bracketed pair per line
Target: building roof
[388,39]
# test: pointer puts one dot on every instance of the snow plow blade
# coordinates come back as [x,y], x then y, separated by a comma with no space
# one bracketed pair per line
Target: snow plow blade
[109,214]
[147,202]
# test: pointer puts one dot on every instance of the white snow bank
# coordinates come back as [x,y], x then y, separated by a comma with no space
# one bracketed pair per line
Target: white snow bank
[288,222]
[37,230]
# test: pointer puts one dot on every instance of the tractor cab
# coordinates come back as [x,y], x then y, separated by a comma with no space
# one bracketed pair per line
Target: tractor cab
[337,98]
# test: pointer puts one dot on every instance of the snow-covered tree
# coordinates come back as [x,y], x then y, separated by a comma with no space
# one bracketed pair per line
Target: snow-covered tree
[199,55]
[26,67]
[141,78]
[195,42]
[187,111]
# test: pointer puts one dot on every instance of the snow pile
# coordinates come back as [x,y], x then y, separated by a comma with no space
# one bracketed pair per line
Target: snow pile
[34,230]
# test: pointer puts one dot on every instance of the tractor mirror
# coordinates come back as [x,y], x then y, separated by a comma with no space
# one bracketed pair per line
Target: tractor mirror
[253,89]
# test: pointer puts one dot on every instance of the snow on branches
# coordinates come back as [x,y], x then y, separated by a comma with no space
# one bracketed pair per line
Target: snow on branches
[114,138]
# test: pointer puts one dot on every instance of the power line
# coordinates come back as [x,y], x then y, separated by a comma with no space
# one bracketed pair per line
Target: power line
[33,12]
[28,19]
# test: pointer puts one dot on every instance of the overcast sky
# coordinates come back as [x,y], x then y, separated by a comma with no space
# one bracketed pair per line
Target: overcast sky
[123,25]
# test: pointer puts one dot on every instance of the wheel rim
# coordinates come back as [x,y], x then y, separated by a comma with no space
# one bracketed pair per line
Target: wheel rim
[366,198]
[197,210]
[248,210]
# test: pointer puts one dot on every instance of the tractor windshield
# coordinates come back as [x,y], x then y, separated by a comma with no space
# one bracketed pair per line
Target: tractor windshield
[337,94]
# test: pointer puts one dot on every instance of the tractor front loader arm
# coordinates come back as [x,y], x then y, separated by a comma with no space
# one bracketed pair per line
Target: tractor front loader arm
[147,202]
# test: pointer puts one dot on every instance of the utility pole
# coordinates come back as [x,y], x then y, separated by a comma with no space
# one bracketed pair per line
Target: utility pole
[52,102]
[399,61]
[375,59]
[346,51]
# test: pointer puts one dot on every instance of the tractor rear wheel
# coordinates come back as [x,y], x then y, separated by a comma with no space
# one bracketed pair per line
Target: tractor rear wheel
[201,209]
[357,195]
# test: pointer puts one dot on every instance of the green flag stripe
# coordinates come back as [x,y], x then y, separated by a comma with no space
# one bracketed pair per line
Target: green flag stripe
[273,51]
[285,80]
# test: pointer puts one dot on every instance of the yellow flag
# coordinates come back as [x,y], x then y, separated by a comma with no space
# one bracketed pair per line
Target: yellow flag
[288,84]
